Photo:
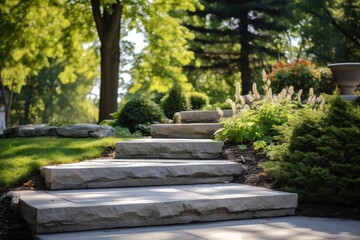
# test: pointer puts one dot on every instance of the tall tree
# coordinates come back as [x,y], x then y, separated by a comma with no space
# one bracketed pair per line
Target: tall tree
[335,18]
[46,99]
[35,31]
[233,34]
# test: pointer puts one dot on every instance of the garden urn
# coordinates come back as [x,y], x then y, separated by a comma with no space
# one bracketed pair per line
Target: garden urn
[346,75]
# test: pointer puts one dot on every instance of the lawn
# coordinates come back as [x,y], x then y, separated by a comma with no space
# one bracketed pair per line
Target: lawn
[21,158]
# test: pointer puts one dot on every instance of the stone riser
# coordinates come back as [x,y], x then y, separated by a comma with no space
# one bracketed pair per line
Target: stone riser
[210,116]
[61,211]
[169,149]
[189,131]
[105,173]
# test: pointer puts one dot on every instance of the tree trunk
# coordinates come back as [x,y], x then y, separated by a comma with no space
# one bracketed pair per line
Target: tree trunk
[7,102]
[244,54]
[110,61]
[108,25]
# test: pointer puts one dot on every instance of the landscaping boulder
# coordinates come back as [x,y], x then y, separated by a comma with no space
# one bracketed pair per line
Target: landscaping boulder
[85,130]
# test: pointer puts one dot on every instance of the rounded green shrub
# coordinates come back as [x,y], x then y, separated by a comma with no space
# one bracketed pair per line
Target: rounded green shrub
[198,100]
[174,102]
[138,111]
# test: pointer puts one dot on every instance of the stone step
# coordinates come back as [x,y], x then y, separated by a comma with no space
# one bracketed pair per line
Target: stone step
[190,130]
[104,173]
[209,116]
[79,210]
[150,148]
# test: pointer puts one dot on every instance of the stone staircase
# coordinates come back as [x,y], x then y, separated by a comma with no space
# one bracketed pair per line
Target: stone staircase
[157,181]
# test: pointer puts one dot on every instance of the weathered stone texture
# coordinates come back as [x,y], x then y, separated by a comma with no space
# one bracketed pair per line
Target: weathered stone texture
[191,130]
[61,211]
[169,148]
[104,173]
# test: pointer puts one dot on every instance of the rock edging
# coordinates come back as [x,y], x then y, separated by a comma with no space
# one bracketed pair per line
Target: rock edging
[70,131]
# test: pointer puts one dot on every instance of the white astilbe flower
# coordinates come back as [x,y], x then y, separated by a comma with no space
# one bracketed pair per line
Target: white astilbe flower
[237,92]
[299,95]
[250,98]
[263,76]
[246,107]
[256,94]
[269,95]
[221,113]
[291,90]
[242,100]
[233,105]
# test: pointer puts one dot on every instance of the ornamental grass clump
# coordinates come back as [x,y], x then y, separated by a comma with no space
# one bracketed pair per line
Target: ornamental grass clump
[301,74]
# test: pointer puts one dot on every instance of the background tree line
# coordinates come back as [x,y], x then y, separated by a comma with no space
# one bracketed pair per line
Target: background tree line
[53,52]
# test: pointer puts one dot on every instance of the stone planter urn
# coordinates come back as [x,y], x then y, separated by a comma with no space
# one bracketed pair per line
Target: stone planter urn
[346,75]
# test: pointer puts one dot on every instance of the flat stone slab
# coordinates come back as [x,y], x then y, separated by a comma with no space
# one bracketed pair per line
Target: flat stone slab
[190,130]
[103,173]
[280,228]
[70,210]
[150,148]
[210,116]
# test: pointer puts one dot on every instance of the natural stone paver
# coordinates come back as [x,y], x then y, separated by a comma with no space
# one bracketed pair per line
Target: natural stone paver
[210,116]
[58,211]
[280,228]
[169,149]
[191,130]
[104,173]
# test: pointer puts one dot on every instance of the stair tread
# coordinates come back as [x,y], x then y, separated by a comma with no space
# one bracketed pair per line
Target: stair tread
[76,210]
[101,173]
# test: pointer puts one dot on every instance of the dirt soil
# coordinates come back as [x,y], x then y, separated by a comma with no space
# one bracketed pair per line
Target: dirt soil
[13,227]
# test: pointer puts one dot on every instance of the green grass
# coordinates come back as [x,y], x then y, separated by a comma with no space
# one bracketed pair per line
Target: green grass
[21,158]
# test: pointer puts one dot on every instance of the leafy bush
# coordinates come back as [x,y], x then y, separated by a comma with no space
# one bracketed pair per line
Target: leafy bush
[174,102]
[327,84]
[256,125]
[223,106]
[138,111]
[198,100]
[318,154]
[300,74]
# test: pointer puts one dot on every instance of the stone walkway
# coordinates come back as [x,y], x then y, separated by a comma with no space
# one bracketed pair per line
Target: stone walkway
[282,228]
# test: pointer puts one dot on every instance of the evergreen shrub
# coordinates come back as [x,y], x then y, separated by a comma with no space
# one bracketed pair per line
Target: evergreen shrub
[138,111]
[198,100]
[174,102]
[317,154]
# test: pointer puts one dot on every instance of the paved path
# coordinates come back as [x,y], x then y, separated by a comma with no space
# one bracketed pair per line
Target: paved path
[267,228]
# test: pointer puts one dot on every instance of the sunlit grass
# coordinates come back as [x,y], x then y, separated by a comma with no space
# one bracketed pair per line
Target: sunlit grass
[21,158]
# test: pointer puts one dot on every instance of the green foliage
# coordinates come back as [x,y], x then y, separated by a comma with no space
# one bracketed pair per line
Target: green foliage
[300,74]
[327,84]
[21,158]
[198,100]
[174,102]
[223,106]
[318,154]
[138,111]
[45,99]
[255,126]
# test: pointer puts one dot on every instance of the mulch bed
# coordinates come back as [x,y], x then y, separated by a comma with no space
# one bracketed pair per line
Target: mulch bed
[13,227]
